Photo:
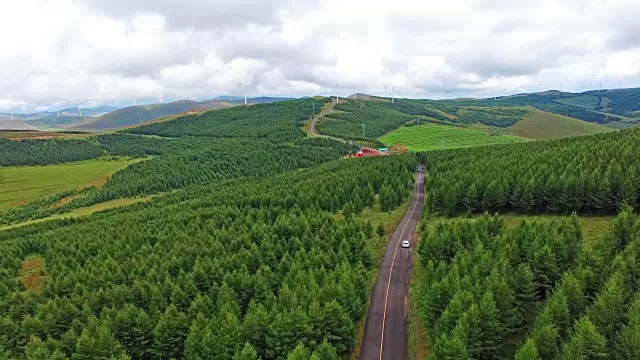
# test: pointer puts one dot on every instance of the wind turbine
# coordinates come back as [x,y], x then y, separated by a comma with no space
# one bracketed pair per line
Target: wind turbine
[393,92]
[560,86]
[12,116]
[337,94]
[134,101]
[58,113]
[80,110]
[245,93]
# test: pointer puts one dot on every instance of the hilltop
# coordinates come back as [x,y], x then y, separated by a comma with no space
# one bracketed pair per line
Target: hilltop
[135,115]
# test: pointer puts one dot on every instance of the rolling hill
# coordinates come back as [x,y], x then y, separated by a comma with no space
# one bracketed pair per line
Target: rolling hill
[134,115]
[141,113]
[609,107]
[540,125]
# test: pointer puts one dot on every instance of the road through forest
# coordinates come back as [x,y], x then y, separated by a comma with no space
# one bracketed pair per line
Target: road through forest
[385,328]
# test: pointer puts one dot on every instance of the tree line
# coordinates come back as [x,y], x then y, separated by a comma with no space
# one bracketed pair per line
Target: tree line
[364,120]
[46,151]
[594,174]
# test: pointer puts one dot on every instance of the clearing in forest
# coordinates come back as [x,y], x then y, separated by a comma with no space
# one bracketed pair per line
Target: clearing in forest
[541,125]
[431,136]
[21,184]
[32,273]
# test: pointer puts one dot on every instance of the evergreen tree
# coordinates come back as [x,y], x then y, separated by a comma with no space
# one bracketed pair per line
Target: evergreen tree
[325,351]
[247,353]
[98,344]
[585,342]
[528,352]
[299,353]
[170,334]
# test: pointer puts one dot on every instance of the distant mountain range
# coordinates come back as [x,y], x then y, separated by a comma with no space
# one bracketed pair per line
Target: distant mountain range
[134,115]
[109,117]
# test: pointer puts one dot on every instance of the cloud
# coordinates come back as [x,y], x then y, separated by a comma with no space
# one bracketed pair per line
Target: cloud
[109,51]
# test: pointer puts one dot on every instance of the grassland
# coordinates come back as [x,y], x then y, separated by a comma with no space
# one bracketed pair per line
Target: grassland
[435,136]
[541,125]
[20,184]
[16,135]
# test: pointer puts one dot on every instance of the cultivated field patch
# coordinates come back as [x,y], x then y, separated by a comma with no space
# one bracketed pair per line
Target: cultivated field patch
[435,136]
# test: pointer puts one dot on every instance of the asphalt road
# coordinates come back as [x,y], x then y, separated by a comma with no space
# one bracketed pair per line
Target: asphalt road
[385,331]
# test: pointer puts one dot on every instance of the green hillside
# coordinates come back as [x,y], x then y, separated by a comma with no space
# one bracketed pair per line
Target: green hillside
[590,102]
[431,136]
[142,113]
[540,125]
[605,107]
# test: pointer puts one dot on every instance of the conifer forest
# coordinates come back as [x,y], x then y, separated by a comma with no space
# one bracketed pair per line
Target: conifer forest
[258,241]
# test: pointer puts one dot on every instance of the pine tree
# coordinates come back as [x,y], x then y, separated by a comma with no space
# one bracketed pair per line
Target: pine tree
[337,327]
[98,344]
[585,343]
[325,351]
[299,353]
[627,343]
[525,291]
[37,349]
[170,334]
[607,311]
[528,352]
[450,348]
[546,338]
[471,198]
[491,328]
[247,353]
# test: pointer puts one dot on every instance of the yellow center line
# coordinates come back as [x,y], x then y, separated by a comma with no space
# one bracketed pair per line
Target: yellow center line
[386,298]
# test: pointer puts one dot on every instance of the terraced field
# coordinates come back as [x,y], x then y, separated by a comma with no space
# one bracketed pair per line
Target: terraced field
[435,136]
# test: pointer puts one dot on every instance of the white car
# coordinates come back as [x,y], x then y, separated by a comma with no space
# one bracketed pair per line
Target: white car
[405,243]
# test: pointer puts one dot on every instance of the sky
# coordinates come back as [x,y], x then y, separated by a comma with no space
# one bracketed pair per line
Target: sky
[61,53]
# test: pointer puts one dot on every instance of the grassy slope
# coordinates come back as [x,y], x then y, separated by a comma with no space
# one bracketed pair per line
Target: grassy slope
[418,345]
[135,115]
[16,135]
[84,211]
[435,136]
[589,102]
[540,125]
[20,184]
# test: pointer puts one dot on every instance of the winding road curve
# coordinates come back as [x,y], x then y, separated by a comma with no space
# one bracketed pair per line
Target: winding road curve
[329,110]
[385,328]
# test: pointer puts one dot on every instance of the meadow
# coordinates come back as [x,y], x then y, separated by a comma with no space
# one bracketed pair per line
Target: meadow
[540,125]
[20,184]
[435,136]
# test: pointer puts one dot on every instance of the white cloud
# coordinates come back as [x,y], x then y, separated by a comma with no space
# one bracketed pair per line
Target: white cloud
[57,53]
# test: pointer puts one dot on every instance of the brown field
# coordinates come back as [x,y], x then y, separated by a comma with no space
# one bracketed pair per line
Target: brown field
[18,135]
[32,272]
